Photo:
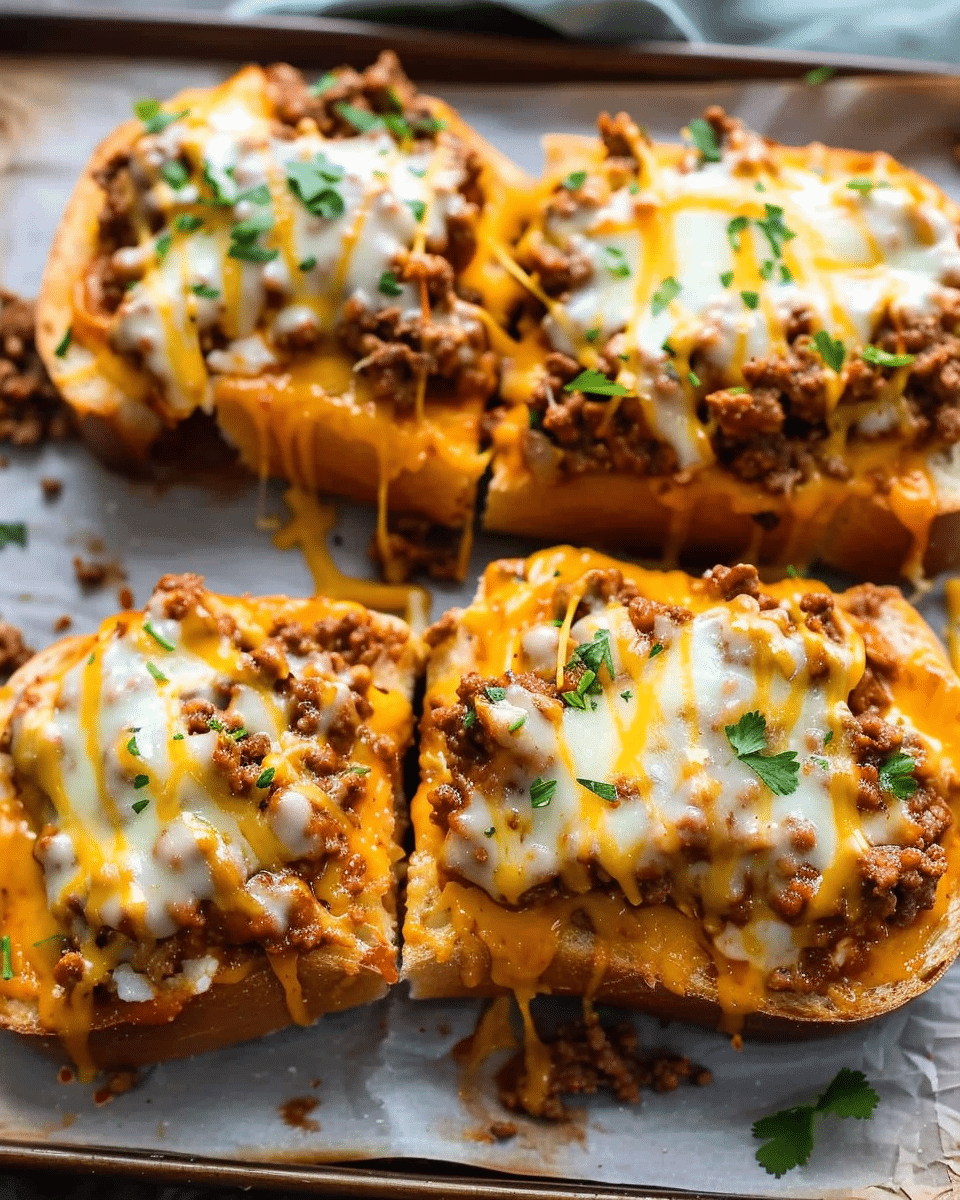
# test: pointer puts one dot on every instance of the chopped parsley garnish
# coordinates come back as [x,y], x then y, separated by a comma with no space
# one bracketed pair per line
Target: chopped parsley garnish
[247,231]
[896,776]
[821,762]
[6,958]
[359,119]
[389,284]
[518,723]
[216,725]
[154,119]
[238,734]
[634,188]
[139,805]
[418,208]
[595,654]
[747,738]
[495,693]
[256,195]
[881,358]
[786,275]
[789,1134]
[178,737]
[13,533]
[667,348]
[831,350]
[793,572]
[490,832]
[737,391]
[726,278]
[64,344]
[308,264]
[175,173]
[664,296]
[626,695]
[54,937]
[576,179]
[693,378]
[542,792]
[774,229]
[606,791]
[819,75]
[828,737]
[470,719]
[157,673]
[266,777]
[205,291]
[252,253]
[595,384]
[220,197]
[141,781]
[592,334]
[766,268]
[323,84]
[758,187]
[188,223]
[655,649]
[750,299]
[736,226]
[704,137]
[866,186]
[616,264]
[132,747]
[312,182]
[358,770]
[418,171]
[534,420]
[585,686]
[162,245]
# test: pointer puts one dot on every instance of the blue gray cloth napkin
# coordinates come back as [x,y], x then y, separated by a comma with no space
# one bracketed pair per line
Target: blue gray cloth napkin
[918,29]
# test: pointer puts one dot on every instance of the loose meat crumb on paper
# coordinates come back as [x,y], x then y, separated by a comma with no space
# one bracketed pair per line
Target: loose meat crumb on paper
[62,624]
[13,651]
[296,1113]
[94,573]
[587,1057]
[51,488]
[31,410]
[125,598]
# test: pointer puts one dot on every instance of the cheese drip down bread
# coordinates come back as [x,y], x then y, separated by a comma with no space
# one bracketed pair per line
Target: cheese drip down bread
[199,822]
[731,349]
[705,797]
[286,257]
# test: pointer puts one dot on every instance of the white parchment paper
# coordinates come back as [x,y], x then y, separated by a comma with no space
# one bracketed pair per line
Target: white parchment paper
[384,1077]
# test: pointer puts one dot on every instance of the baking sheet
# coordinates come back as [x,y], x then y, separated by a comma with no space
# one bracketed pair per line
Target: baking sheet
[383,1077]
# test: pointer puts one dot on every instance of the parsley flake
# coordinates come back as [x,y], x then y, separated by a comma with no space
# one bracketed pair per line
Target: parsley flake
[140,781]
[360,119]
[758,187]
[819,75]
[786,275]
[313,182]
[389,284]
[655,649]
[266,777]
[132,747]
[64,344]
[736,391]
[592,334]
[542,792]
[626,695]
[881,358]
[157,673]
[490,832]
[778,771]
[418,208]
[766,268]
[606,791]
[789,1133]
[704,137]
[308,264]
[774,229]
[828,737]
[667,348]
[175,173]
[13,533]
[470,719]
[750,299]
[518,723]
[726,278]
[831,350]
[896,775]
[162,245]
[576,179]
[736,226]
[139,805]
[205,291]
[595,384]
[866,186]
[178,737]
[6,958]
[323,84]
[693,378]
[616,263]
[664,296]
[252,253]
[495,693]
[188,223]
[358,770]
[154,119]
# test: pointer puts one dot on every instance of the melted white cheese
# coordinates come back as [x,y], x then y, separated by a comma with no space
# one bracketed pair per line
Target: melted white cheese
[687,807]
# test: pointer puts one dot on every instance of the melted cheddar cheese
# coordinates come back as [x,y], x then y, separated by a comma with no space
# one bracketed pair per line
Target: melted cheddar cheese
[686,269]
[635,816]
[190,785]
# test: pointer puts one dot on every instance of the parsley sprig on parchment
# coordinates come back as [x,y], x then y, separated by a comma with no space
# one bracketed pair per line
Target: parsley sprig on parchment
[789,1133]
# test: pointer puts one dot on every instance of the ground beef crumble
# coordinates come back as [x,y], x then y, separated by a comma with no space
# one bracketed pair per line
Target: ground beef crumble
[775,431]
[587,1057]
[31,411]
[13,651]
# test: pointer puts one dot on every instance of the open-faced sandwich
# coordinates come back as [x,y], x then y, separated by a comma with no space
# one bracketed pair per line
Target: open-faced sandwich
[286,256]
[731,349]
[709,798]
[200,808]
